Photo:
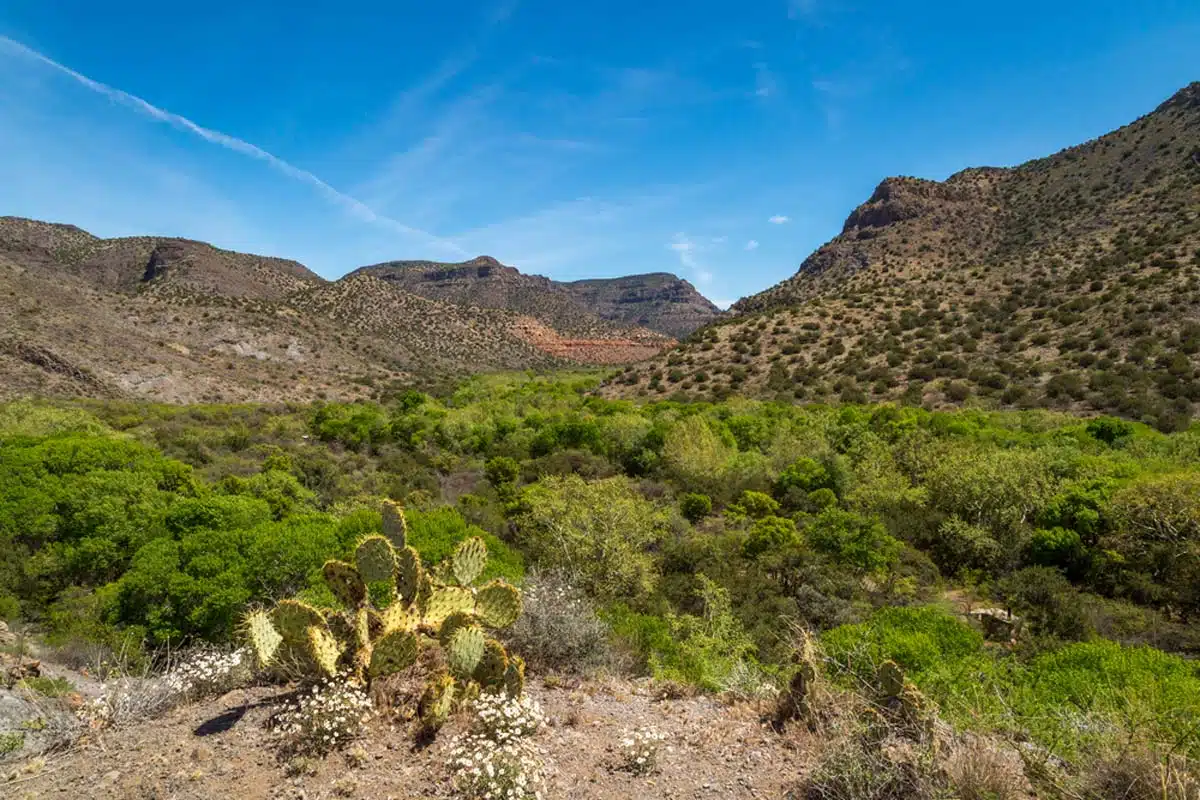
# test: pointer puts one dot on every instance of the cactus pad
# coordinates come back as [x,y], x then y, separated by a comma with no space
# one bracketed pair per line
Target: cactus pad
[445,601]
[345,583]
[376,559]
[465,650]
[397,617]
[890,679]
[514,676]
[469,560]
[459,619]
[395,526]
[489,672]
[436,702]
[409,574]
[262,637]
[392,653]
[498,604]
[323,649]
[292,620]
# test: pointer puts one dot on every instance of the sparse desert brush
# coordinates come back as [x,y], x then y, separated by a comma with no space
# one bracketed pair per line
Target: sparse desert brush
[1142,773]
[559,629]
[986,769]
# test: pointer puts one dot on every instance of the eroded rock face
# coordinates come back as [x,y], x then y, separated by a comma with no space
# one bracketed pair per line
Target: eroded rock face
[161,259]
[1187,97]
[659,301]
[898,199]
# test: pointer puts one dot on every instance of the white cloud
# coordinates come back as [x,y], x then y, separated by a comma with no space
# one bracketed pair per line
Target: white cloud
[752,244]
[779,219]
[720,239]
[687,250]
[721,304]
[345,201]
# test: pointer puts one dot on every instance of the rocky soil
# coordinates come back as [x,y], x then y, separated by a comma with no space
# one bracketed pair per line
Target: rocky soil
[223,748]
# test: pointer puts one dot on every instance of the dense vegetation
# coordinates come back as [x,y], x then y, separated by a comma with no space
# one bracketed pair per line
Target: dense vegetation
[703,534]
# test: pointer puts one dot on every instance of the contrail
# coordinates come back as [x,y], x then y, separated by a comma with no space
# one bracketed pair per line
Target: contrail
[350,204]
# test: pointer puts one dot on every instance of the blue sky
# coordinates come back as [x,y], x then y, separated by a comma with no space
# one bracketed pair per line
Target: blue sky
[722,141]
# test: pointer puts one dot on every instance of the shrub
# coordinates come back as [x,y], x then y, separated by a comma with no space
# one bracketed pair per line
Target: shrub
[917,639]
[960,546]
[860,767]
[771,535]
[1142,774]
[127,700]
[695,506]
[1049,603]
[437,532]
[755,505]
[1056,547]
[985,769]
[558,628]
[502,718]
[598,533]
[210,672]
[853,540]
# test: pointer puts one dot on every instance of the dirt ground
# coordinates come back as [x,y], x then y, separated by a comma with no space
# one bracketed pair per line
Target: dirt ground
[223,749]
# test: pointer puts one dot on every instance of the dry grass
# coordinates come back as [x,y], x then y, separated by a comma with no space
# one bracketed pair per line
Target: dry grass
[986,769]
[1142,775]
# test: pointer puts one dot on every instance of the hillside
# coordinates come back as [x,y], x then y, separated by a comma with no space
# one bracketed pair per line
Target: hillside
[1071,281]
[659,301]
[183,321]
[635,306]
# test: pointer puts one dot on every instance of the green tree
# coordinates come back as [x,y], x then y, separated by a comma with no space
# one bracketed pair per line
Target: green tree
[598,533]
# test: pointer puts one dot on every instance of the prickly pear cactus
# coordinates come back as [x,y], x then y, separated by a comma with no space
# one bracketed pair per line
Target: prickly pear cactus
[798,701]
[901,703]
[889,679]
[392,608]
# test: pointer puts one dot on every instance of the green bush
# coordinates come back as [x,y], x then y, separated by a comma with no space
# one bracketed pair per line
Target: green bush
[918,639]
[600,534]
[695,506]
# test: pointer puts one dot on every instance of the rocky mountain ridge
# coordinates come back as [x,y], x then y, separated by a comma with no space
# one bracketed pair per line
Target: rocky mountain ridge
[1071,281]
[182,320]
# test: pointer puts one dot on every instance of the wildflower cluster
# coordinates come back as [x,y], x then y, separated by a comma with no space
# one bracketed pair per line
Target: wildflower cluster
[207,673]
[496,761]
[502,718]
[326,717]
[639,750]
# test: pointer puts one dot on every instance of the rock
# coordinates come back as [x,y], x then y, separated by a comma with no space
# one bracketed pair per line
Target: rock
[998,625]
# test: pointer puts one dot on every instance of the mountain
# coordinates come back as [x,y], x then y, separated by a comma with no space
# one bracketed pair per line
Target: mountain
[1071,281]
[659,301]
[183,321]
